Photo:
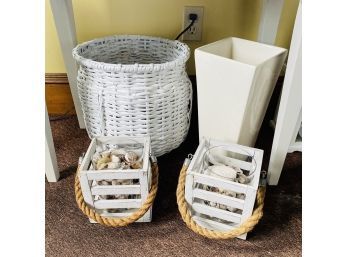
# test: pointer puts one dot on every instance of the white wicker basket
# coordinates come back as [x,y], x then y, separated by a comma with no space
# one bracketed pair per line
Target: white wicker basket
[133,86]
[197,194]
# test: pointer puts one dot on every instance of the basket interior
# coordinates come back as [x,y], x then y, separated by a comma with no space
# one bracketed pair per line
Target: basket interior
[130,50]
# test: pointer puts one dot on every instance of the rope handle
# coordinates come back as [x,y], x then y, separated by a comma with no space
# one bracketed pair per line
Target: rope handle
[245,227]
[118,222]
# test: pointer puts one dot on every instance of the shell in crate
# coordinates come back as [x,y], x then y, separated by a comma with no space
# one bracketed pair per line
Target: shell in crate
[115,175]
[221,184]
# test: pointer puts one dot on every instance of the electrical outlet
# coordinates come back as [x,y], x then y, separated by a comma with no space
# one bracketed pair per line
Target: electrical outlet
[195,32]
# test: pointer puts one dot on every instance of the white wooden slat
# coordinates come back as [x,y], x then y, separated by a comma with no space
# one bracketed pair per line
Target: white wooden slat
[218,198]
[85,188]
[112,174]
[221,183]
[197,156]
[144,186]
[214,225]
[258,159]
[149,176]
[118,203]
[121,213]
[86,162]
[188,189]
[146,155]
[249,203]
[121,140]
[145,218]
[215,212]
[116,190]
[117,214]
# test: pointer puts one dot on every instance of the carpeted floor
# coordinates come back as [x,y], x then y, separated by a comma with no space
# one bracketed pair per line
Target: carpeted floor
[69,233]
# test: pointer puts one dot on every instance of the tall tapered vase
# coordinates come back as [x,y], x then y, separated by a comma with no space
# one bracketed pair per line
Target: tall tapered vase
[235,81]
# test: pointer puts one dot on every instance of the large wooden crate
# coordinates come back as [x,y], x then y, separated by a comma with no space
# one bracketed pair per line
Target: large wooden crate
[138,190]
[197,195]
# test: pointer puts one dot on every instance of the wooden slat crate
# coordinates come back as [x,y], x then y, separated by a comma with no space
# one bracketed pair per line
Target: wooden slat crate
[196,193]
[136,193]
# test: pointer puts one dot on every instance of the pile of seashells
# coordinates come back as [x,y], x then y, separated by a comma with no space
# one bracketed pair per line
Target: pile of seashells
[115,159]
[222,167]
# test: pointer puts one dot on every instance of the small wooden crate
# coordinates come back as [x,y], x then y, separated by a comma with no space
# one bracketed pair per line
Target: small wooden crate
[138,191]
[197,196]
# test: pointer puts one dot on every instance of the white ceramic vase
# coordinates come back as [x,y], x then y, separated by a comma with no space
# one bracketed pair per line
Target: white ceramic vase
[235,81]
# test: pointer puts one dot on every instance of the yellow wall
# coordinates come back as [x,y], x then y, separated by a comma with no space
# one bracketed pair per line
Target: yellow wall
[222,18]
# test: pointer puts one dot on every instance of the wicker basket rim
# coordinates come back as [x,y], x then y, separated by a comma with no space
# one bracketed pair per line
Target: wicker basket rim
[136,67]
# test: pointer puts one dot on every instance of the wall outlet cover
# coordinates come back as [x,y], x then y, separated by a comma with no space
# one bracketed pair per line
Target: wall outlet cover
[195,32]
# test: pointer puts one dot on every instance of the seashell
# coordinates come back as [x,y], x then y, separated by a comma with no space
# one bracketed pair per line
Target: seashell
[223,207]
[115,159]
[222,171]
[228,193]
[113,165]
[102,162]
[126,182]
[124,166]
[118,152]
[223,160]
[115,182]
[96,156]
[241,196]
[131,157]
[99,148]
[231,209]
[121,197]
[211,189]
[212,204]
[105,154]
[136,165]
[212,160]
[103,183]
[243,179]
[102,166]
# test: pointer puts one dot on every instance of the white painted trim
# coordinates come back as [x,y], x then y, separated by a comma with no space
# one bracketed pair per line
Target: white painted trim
[295,144]
[51,166]
[63,15]
[269,21]
[290,104]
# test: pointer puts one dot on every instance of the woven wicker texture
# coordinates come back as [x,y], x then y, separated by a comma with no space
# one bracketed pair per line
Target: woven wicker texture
[133,86]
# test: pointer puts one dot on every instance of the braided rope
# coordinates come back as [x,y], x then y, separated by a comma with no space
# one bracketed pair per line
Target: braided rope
[245,227]
[117,222]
